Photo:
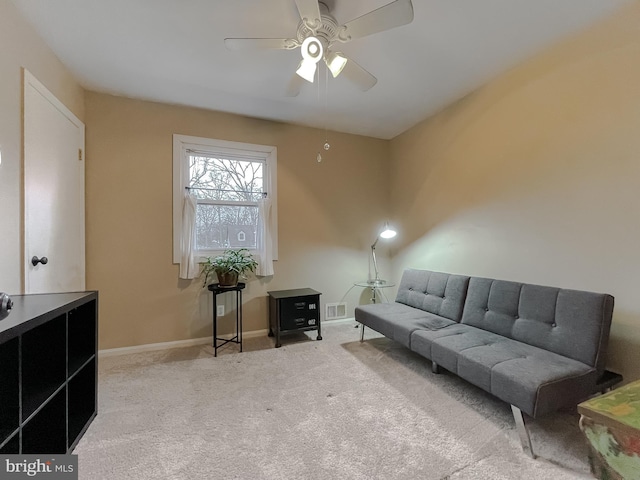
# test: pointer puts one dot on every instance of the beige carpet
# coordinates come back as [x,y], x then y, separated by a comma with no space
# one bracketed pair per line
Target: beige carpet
[330,409]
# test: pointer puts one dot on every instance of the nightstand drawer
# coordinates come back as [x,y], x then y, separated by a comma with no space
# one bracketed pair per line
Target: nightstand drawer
[299,312]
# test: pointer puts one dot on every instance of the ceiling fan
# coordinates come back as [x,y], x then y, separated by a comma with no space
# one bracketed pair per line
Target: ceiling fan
[319,34]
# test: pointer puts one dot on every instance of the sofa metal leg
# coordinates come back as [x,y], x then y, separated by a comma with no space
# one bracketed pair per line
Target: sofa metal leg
[362,333]
[435,368]
[523,433]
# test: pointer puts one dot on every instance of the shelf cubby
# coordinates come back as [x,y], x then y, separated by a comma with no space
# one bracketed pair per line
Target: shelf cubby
[43,363]
[9,388]
[46,431]
[82,335]
[82,400]
[11,446]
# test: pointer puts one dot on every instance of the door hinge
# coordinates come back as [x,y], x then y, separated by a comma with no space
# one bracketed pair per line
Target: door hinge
[80,154]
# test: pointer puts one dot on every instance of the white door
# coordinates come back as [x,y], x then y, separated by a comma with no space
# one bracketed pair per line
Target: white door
[53,193]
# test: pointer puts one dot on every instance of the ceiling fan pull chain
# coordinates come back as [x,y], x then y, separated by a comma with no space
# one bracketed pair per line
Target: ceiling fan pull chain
[319,155]
[326,99]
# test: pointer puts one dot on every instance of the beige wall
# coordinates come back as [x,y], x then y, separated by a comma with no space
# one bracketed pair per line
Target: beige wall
[536,177]
[21,47]
[328,215]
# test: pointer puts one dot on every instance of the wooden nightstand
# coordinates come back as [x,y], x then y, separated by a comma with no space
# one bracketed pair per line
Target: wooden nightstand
[293,311]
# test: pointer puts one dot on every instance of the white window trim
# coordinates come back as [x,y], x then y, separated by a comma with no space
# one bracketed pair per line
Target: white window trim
[182,143]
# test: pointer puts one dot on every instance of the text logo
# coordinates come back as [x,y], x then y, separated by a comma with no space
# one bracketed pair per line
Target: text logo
[55,467]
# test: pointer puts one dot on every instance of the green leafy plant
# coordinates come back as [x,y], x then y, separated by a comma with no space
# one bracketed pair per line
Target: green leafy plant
[231,265]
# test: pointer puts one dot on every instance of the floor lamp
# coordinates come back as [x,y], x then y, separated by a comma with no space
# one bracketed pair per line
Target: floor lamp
[376,283]
[387,232]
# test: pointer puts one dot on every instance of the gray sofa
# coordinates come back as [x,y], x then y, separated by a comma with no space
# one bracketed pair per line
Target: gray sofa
[537,348]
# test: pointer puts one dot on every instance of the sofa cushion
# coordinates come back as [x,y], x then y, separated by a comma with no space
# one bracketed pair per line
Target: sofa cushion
[422,341]
[396,321]
[383,316]
[542,382]
[571,323]
[402,330]
[434,292]
[535,380]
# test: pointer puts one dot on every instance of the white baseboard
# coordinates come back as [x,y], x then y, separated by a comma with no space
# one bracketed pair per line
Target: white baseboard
[152,347]
[339,320]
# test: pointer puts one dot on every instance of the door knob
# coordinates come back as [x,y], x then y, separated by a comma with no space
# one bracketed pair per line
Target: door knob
[35,260]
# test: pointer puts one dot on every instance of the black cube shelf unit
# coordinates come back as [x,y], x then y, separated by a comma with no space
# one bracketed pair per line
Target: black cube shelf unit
[48,372]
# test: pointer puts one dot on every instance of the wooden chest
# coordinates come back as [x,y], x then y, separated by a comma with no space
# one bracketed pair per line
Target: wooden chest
[611,424]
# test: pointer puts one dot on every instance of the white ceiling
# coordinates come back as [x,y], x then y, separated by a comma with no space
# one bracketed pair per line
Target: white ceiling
[172,51]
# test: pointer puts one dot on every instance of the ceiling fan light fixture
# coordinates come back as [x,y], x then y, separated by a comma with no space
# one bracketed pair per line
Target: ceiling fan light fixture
[312,49]
[318,31]
[335,62]
[307,70]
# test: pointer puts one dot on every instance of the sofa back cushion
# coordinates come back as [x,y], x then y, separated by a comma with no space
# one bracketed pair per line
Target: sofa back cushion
[434,292]
[571,323]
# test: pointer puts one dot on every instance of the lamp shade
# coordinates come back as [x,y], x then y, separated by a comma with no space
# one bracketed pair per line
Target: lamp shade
[335,62]
[312,51]
[307,70]
[388,231]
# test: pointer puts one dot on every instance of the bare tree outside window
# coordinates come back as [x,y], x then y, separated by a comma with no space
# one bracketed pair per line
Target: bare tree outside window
[228,192]
[229,181]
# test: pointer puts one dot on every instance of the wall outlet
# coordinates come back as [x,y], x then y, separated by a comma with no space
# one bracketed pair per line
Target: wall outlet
[220,311]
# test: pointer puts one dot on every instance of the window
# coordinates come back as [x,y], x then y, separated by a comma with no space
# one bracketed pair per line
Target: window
[228,180]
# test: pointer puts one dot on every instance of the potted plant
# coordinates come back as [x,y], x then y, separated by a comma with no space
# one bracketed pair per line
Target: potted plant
[232,264]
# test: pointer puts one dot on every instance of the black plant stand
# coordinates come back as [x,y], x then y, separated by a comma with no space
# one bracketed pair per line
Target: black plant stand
[217,289]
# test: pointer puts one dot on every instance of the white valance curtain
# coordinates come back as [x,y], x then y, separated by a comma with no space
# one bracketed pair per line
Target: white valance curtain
[188,264]
[265,242]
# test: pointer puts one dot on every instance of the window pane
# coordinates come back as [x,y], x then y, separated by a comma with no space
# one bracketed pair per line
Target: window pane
[223,179]
[223,226]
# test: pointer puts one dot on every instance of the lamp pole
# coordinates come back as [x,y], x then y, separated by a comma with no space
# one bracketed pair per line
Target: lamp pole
[375,263]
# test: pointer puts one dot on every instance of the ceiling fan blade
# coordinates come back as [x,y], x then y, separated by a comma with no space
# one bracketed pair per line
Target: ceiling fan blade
[394,14]
[358,75]
[309,10]
[260,43]
[295,85]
